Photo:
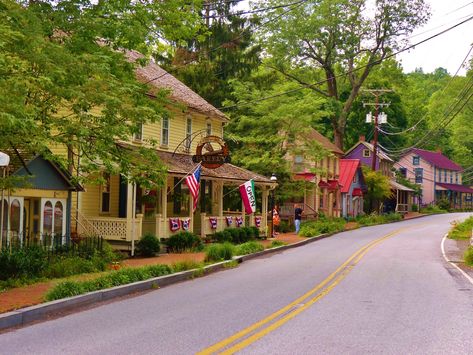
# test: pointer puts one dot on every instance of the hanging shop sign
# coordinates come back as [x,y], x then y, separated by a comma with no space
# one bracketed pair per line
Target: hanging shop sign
[211,152]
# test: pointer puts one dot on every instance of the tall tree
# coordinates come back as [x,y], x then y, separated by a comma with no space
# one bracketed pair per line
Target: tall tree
[65,80]
[341,41]
[224,49]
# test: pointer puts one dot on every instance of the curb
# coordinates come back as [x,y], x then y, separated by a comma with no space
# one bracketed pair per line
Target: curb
[41,311]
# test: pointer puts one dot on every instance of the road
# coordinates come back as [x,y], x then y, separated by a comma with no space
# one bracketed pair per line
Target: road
[381,289]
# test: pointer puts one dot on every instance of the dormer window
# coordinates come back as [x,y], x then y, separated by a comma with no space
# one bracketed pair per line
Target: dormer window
[366,153]
[415,160]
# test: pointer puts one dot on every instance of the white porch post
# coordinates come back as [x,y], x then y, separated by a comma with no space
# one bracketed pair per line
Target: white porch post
[129,210]
[191,211]
[264,210]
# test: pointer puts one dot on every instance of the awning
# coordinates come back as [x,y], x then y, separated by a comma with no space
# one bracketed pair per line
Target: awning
[397,186]
[455,187]
[310,177]
[330,184]
[357,192]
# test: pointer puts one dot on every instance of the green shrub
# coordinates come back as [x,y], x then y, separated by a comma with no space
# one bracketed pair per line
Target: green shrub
[443,204]
[372,219]
[432,209]
[462,230]
[256,231]
[27,262]
[219,252]
[222,237]
[414,208]
[148,245]
[113,278]
[249,248]
[235,233]
[468,256]
[184,241]
[285,227]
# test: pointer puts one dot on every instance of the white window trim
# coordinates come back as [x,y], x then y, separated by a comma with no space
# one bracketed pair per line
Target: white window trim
[53,203]
[369,153]
[188,133]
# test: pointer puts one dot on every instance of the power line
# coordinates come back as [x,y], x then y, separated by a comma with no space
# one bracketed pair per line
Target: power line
[254,11]
[306,86]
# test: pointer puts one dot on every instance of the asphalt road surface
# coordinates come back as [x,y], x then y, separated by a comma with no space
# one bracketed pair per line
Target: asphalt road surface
[382,290]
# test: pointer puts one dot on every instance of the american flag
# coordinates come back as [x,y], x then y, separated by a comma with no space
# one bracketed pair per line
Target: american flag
[193,181]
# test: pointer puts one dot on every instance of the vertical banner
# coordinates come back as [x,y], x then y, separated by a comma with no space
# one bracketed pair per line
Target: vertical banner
[247,192]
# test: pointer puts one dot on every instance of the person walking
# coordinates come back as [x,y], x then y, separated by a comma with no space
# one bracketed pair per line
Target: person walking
[276,221]
[297,217]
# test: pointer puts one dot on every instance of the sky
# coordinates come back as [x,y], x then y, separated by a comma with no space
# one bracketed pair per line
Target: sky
[446,51]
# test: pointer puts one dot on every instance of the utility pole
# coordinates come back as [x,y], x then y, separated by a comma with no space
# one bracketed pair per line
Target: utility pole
[376,93]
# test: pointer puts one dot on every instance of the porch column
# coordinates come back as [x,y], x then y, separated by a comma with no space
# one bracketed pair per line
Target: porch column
[191,211]
[218,198]
[129,210]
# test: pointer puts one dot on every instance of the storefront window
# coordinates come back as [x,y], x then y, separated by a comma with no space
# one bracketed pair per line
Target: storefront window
[15,216]
[58,219]
[48,218]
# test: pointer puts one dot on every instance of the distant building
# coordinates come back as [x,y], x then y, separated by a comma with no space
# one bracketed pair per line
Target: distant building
[440,177]
[353,187]
[402,196]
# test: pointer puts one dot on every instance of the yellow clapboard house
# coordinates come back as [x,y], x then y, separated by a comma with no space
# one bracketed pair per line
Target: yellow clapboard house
[122,212]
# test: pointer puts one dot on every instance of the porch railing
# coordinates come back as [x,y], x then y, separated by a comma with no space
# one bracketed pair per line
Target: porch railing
[114,228]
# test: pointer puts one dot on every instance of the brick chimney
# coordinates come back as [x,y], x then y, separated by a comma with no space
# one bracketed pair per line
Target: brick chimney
[362,138]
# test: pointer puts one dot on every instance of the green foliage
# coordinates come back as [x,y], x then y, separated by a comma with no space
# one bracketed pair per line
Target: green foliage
[68,266]
[462,230]
[249,248]
[28,262]
[219,252]
[148,245]
[443,204]
[378,187]
[284,226]
[222,237]
[372,219]
[255,232]
[184,241]
[62,86]
[468,256]
[415,208]
[322,226]
[114,278]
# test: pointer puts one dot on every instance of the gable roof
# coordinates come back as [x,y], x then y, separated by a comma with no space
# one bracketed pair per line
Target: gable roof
[156,76]
[379,152]
[348,168]
[324,141]
[437,159]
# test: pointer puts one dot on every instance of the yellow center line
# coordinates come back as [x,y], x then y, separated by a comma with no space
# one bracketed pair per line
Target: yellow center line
[355,256]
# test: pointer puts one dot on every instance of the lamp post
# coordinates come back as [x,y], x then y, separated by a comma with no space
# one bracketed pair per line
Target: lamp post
[4,161]
[273,178]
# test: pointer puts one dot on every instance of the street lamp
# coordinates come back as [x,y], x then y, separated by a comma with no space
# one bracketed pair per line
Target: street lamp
[273,178]
[4,161]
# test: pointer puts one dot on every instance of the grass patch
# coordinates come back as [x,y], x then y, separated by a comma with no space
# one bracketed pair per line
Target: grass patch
[432,209]
[231,264]
[277,243]
[468,256]
[461,230]
[373,219]
[249,248]
[315,228]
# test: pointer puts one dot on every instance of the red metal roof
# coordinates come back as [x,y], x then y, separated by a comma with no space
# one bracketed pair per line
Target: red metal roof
[437,159]
[347,172]
[454,187]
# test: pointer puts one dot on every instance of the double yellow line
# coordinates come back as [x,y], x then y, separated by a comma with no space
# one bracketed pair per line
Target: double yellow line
[290,311]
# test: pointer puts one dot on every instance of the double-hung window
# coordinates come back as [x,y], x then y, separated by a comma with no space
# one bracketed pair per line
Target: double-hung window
[165,131]
[415,160]
[138,135]
[419,175]
[105,194]
[209,128]
[188,133]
